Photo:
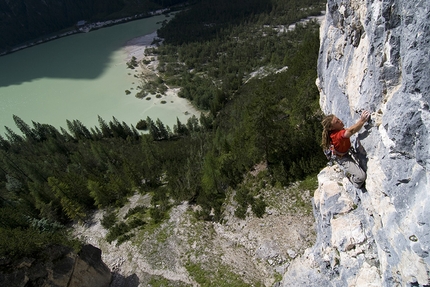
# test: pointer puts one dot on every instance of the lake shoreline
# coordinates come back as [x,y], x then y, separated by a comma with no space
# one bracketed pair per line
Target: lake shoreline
[85,76]
[85,28]
[45,86]
[136,48]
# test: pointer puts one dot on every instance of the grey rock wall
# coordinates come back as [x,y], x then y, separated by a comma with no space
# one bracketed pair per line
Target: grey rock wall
[374,55]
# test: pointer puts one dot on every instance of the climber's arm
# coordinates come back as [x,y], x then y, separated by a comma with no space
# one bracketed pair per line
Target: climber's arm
[357,126]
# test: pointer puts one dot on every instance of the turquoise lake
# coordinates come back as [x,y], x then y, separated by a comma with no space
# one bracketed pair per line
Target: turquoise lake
[81,77]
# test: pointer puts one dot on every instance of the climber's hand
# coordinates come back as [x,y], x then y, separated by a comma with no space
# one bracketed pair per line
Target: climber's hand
[365,115]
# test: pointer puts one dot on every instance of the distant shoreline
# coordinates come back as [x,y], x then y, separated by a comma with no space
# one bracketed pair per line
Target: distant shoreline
[85,28]
[136,48]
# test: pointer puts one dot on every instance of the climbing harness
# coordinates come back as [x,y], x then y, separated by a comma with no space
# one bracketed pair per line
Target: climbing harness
[334,158]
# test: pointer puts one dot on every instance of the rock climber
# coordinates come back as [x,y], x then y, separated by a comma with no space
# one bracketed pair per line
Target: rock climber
[336,140]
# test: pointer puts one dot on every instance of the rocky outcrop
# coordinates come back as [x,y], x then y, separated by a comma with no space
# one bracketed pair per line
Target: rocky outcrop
[60,266]
[374,55]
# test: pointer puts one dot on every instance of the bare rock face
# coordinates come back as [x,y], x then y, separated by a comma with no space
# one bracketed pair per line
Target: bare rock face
[374,55]
[89,269]
[60,267]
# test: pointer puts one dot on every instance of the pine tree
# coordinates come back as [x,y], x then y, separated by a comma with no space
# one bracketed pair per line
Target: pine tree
[163,132]
[99,194]
[104,128]
[13,137]
[153,129]
[78,130]
[72,208]
[193,124]
[4,144]
[24,128]
[180,129]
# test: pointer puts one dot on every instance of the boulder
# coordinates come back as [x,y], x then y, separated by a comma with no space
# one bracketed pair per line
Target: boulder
[59,266]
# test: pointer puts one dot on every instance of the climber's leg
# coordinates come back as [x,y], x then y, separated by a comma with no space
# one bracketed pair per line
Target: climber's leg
[352,170]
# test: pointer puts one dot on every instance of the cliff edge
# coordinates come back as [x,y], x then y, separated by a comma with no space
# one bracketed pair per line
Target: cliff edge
[374,55]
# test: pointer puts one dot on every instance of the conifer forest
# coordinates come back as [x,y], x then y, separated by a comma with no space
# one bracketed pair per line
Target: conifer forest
[255,85]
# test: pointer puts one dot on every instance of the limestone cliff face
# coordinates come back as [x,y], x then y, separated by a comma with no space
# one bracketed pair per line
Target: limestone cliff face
[374,55]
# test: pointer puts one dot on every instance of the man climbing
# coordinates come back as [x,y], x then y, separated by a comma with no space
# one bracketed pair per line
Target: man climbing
[336,138]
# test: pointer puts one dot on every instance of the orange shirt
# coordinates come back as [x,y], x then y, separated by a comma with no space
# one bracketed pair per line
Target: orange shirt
[340,143]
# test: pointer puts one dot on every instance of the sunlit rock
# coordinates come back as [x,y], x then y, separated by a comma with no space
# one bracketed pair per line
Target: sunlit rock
[374,55]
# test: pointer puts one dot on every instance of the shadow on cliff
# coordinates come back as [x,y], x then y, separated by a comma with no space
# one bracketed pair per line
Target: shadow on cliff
[361,153]
[119,280]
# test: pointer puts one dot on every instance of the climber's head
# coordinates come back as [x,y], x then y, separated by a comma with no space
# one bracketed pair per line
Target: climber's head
[336,124]
[330,123]
[327,122]
[327,127]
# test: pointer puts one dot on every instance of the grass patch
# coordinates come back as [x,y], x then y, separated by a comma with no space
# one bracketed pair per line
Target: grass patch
[278,277]
[164,234]
[294,199]
[220,276]
[309,183]
[158,281]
